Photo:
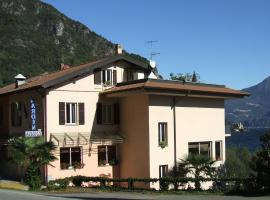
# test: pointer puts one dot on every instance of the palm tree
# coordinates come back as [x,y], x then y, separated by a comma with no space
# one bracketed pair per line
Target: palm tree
[31,154]
[198,166]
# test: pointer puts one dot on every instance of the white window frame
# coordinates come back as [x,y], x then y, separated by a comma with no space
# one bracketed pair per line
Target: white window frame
[107,153]
[106,119]
[69,104]
[162,130]
[108,79]
[70,156]
[161,170]
[221,150]
[199,145]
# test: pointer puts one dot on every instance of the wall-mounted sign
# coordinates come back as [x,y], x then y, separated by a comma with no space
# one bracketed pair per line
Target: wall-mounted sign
[33,115]
[37,133]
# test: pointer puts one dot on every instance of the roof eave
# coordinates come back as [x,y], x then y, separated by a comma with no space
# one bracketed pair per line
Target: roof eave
[91,68]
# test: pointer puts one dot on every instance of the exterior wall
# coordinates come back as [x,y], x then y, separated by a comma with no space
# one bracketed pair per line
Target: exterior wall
[160,110]
[4,125]
[80,91]
[25,98]
[134,160]
[7,169]
[91,168]
[197,120]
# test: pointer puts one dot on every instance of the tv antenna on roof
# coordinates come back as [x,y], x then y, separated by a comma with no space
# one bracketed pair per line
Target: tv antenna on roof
[151,42]
[153,54]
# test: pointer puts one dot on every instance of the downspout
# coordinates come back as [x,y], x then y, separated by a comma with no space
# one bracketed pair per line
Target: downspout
[174,132]
[45,133]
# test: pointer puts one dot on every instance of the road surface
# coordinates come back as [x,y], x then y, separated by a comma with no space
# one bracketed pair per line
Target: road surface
[18,195]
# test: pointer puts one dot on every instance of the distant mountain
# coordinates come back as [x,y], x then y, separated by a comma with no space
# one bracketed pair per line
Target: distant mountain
[35,38]
[253,110]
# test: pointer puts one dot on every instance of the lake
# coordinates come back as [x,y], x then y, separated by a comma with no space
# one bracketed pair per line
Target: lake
[249,139]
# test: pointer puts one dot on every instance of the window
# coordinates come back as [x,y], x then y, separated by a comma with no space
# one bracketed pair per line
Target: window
[68,113]
[200,148]
[131,74]
[16,114]
[218,147]
[71,113]
[162,134]
[107,155]
[71,157]
[108,113]
[106,77]
[163,171]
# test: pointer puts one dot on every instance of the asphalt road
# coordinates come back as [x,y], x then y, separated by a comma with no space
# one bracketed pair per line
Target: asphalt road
[18,195]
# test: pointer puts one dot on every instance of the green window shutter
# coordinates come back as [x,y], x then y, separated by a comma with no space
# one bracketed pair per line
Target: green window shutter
[114,77]
[97,76]
[62,113]
[116,113]
[81,114]
[99,113]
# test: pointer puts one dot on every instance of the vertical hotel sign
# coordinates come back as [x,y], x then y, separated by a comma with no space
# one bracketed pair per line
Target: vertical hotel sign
[34,132]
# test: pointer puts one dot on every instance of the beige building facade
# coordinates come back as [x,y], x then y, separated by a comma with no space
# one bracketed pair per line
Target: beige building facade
[108,119]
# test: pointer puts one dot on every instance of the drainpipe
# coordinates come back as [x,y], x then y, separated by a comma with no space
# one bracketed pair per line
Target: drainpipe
[45,132]
[174,131]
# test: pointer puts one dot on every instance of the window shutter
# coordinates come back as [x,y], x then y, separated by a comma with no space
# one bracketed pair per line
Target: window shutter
[114,77]
[116,113]
[97,76]
[61,113]
[99,113]
[1,115]
[81,114]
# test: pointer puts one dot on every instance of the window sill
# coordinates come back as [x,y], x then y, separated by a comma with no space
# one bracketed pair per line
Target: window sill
[71,124]
[107,165]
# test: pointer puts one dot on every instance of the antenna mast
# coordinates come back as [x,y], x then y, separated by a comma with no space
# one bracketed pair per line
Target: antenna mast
[152,53]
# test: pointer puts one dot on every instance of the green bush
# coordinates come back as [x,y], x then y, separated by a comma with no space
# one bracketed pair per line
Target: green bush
[58,184]
[219,184]
[32,177]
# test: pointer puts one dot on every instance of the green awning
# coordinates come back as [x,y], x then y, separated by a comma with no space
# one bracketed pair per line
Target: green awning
[106,137]
[77,139]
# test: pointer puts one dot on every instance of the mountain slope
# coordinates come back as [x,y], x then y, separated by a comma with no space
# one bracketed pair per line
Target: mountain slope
[253,110]
[36,38]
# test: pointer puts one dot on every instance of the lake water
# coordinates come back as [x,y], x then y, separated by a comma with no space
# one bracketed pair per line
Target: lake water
[249,139]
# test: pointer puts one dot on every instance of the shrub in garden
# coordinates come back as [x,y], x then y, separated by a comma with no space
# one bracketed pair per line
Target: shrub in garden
[32,154]
[262,164]
[199,167]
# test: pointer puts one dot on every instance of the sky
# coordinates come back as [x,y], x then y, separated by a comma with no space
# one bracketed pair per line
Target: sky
[224,41]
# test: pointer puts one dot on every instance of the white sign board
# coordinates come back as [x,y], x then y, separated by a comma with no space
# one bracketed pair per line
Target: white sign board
[37,133]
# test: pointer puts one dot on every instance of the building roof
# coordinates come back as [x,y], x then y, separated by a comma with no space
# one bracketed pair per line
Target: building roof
[168,87]
[48,80]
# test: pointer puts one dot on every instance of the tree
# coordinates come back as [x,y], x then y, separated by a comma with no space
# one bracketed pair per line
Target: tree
[186,77]
[262,163]
[197,166]
[237,158]
[31,154]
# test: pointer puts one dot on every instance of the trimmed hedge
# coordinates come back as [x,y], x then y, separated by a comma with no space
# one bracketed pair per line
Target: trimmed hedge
[166,184]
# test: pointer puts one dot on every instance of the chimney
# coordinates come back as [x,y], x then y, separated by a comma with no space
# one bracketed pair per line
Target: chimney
[194,78]
[63,66]
[19,80]
[119,49]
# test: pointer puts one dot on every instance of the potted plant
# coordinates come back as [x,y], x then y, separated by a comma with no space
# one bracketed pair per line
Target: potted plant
[163,144]
[113,162]
[64,165]
[78,165]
